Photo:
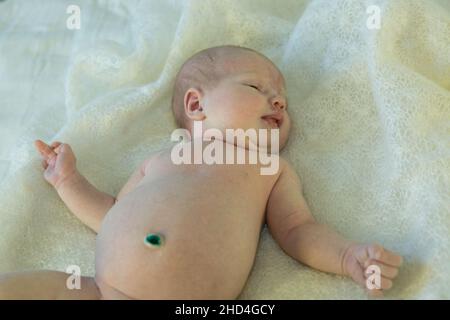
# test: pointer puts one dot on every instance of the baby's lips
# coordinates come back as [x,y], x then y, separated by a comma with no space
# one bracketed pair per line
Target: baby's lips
[278,117]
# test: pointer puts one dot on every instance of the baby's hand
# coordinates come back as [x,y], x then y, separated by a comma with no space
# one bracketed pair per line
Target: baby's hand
[357,260]
[58,161]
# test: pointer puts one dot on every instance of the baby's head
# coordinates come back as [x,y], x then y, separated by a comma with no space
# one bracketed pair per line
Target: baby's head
[231,87]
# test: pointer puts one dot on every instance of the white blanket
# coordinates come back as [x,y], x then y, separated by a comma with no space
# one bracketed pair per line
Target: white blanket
[370,110]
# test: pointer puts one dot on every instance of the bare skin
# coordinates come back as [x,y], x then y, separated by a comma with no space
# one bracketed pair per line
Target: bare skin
[210,215]
[211,240]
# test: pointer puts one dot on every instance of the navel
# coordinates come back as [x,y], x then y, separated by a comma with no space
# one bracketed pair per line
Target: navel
[154,240]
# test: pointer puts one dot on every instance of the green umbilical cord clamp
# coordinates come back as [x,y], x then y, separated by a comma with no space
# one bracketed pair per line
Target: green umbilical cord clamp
[154,240]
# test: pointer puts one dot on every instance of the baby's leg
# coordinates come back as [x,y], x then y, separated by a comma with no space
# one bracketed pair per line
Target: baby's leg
[45,285]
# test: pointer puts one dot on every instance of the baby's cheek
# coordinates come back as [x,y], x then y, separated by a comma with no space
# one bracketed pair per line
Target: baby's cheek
[237,117]
[287,126]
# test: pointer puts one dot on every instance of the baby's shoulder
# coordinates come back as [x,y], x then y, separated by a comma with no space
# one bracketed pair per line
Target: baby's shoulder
[160,153]
[286,168]
[154,156]
[284,164]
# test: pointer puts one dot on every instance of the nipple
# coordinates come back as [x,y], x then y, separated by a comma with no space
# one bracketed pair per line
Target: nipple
[154,240]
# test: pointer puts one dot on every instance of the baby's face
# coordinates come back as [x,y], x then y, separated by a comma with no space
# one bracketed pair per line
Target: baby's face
[251,96]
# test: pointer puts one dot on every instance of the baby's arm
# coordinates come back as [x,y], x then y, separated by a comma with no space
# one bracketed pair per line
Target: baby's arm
[316,245]
[88,203]
[84,200]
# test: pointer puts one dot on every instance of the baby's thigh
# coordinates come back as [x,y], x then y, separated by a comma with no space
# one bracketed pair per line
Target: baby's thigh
[45,285]
[107,292]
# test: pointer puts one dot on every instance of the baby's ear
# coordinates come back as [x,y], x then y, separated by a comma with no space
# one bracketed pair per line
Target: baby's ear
[192,105]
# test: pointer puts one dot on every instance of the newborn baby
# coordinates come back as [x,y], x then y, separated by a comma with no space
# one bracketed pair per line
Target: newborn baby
[191,231]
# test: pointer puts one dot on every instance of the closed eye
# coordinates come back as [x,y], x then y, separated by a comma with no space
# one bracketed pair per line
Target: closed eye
[255,87]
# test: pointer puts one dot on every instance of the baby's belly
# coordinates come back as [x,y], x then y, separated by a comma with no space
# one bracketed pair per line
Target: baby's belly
[208,252]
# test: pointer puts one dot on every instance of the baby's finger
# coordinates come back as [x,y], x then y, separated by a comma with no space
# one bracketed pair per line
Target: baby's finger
[55,146]
[390,258]
[386,283]
[377,281]
[44,164]
[44,149]
[358,277]
[375,293]
[387,271]
[52,161]
[377,252]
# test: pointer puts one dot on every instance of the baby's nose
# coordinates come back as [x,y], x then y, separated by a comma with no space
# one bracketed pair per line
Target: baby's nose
[279,103]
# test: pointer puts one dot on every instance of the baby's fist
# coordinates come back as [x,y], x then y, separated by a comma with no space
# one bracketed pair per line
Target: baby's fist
[58,161]
[372,266]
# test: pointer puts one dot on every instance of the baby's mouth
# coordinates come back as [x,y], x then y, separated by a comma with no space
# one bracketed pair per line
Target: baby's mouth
[274,120]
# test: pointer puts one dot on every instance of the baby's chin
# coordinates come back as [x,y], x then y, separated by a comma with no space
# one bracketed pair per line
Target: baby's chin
[271,140]
[269,144]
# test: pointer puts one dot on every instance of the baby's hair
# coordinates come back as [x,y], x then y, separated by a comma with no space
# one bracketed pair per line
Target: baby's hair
[203,71]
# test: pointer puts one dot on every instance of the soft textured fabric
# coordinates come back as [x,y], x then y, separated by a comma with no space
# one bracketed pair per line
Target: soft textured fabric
[370,111]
